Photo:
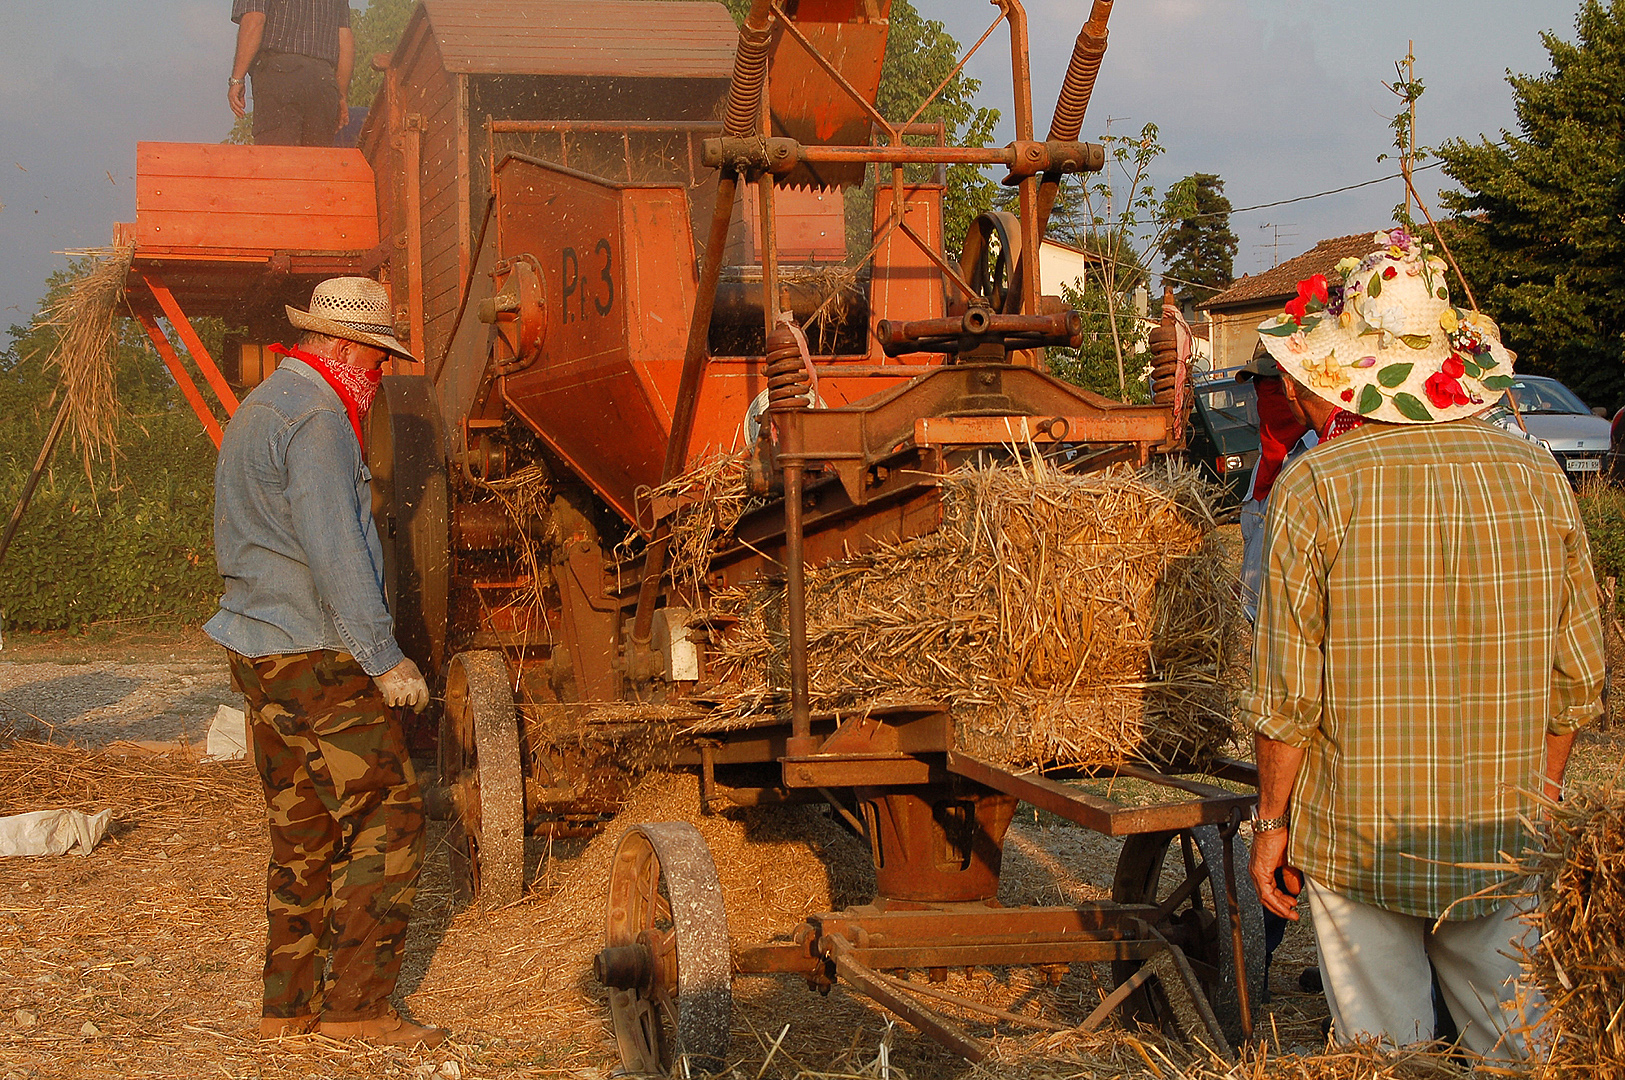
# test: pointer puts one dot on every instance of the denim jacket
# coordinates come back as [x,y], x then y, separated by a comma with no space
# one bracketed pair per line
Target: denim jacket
[293,532]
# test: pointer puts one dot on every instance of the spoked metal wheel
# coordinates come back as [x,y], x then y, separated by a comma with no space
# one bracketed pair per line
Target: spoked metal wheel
[1184,871]
[665,957]
[480,766]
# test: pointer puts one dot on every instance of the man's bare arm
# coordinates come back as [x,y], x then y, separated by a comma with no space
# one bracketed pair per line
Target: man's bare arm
[1278,765]
[1557,761]
[343,70]
[249,33]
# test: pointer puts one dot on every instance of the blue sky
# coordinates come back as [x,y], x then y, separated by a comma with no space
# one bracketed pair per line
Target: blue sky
[1281,98]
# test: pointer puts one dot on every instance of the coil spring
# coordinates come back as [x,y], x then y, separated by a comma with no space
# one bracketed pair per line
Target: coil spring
[789,386]
[750,73]
[1079,84]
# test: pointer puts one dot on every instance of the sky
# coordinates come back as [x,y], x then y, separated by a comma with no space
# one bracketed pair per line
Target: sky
[1281,98]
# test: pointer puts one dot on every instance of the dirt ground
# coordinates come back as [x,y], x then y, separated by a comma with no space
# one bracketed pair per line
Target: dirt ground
[143,959]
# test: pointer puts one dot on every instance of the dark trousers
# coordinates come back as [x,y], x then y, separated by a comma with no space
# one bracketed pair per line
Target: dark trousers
[296,100]
[347,834]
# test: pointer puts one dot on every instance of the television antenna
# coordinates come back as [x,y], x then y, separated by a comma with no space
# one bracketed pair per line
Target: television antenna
[1274,243]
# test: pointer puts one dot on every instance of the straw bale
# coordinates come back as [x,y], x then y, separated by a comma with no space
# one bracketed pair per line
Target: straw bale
[1579,861]
[1065,618]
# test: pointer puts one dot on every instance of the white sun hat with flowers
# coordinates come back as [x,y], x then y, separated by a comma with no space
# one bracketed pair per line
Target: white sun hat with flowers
[1380,338]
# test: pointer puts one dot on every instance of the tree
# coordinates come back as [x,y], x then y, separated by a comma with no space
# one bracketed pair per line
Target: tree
[377,30]
[1539,226]
[1199,251]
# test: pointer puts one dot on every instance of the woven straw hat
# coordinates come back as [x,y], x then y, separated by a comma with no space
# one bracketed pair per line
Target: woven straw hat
[352,308]
[1381,338]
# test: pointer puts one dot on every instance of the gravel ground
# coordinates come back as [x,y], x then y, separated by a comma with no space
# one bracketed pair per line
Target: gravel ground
[101,701]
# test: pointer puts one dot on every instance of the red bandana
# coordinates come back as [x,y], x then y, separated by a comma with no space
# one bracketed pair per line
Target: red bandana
[1341,422]
[356,388]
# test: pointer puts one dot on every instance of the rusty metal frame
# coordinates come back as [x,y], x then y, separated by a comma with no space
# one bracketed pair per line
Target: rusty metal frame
[189,337]
[182,378]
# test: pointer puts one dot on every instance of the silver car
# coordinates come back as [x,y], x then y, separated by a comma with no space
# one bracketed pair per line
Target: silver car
[1555,417]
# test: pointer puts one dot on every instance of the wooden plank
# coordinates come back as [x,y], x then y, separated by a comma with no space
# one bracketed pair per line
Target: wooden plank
[246,231]
[288,195]
[230,162]
[465,242]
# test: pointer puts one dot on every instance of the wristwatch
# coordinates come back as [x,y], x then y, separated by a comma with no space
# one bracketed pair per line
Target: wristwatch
[1274,824]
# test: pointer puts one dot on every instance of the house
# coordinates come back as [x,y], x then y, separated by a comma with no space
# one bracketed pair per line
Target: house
[1237,311]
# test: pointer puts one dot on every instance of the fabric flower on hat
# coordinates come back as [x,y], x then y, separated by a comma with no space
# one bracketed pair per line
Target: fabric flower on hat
[1445,391]
[1326,373]
[1312,297]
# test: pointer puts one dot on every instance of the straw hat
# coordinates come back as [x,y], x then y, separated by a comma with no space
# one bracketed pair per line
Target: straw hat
[1380,338]
[352,308]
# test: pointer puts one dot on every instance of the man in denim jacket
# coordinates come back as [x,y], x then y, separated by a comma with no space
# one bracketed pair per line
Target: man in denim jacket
[311,645]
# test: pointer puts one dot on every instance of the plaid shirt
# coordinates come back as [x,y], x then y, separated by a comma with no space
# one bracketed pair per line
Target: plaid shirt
[1428,615]
[307,27]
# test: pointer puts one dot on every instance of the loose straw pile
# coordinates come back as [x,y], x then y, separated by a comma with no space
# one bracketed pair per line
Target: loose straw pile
[1071,619]
[1580,963]
[84,319]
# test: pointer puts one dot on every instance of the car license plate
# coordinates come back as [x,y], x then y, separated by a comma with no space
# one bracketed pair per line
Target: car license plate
[1584,464]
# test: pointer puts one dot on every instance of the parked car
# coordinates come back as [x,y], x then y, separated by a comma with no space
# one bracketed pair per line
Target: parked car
[1224,431]
[1554,416]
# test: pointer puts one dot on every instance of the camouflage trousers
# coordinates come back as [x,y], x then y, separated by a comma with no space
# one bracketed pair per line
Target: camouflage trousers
[347,833]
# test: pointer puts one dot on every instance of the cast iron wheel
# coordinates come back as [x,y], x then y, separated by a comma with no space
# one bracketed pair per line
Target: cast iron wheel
[479,766]
[664,897]
[1199,924]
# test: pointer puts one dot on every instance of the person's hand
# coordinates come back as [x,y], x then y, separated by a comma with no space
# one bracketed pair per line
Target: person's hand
[237,95]
[344,114]
[402,685]
[1268,856]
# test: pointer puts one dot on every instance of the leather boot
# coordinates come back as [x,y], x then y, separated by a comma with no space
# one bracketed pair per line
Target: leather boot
[278,1027]
[386,1030]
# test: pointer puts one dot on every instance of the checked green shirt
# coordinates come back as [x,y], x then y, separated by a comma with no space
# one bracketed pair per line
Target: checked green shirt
[1428,615]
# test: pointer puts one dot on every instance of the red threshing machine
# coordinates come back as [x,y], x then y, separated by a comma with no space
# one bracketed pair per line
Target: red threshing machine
[590,217]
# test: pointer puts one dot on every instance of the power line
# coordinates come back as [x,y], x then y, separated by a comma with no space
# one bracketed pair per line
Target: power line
[1319,194]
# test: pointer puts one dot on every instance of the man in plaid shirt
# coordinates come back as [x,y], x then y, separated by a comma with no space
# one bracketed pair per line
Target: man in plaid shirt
[1428,642]
[301,54]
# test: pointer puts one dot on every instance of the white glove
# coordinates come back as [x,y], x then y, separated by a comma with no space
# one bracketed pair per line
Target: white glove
[403,684]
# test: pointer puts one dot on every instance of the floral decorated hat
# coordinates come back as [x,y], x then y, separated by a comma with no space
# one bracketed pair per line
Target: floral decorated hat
[1381,338]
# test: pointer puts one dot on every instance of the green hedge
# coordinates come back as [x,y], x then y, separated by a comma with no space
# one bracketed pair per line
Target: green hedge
[1602,507]
[138,544]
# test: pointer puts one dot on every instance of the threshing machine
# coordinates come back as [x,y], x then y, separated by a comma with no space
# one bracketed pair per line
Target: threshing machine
[618,235]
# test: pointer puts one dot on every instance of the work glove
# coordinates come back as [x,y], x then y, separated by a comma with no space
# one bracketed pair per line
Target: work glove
[403,685]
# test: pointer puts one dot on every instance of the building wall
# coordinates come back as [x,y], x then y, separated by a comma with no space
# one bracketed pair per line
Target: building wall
[1235,332]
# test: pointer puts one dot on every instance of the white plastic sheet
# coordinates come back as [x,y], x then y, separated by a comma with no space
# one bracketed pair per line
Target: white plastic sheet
[53,832]
[228,735]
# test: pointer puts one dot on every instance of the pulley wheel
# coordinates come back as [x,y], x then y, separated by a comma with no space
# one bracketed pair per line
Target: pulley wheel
[665,907]
[992,262]
[480,767]
[1150,870]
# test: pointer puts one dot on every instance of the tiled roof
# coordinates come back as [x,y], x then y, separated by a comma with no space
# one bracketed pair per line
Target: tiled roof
[1281,283]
